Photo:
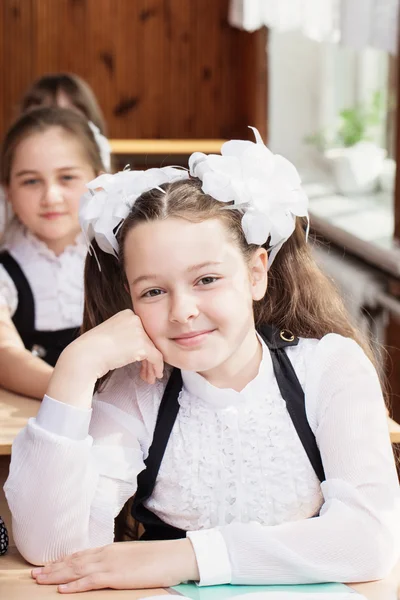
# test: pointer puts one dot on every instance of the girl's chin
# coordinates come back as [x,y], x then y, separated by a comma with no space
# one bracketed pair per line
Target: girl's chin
[191,363]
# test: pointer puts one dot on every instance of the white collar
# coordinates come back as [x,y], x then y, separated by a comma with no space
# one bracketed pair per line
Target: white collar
[20,236]
[198,386]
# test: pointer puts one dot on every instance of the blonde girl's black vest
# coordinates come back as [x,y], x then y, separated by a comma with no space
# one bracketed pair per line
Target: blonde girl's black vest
[48,345]
[292,393]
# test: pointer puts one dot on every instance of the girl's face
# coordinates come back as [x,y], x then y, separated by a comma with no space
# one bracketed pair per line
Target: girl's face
[48,176]
[194,292]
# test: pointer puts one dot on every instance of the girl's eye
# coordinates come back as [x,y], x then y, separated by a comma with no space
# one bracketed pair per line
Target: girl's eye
[207,280]
[152,293]
[30,181]
[67,177]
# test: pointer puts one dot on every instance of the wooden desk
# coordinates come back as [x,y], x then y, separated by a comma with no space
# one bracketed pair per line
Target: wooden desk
[162,147]
[17,584]
[15,411]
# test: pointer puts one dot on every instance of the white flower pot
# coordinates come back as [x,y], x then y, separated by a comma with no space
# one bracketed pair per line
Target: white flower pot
[356,170]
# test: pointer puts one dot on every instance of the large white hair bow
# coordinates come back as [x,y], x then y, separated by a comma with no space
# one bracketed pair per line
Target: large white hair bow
[111,197]
[265,186]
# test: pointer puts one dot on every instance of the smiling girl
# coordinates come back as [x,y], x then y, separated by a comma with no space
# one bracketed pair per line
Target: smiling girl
[47,157]
[233,400]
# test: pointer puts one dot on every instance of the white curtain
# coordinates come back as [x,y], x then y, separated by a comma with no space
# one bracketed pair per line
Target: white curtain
[370,23]
[357,23]
[318,19]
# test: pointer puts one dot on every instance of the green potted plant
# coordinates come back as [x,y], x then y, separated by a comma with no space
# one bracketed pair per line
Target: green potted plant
[352,148]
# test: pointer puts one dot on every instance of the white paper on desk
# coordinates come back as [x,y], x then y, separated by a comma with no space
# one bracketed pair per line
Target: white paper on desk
[350,595]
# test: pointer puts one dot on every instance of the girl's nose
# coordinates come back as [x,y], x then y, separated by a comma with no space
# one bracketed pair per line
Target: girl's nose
[183,308]
[52,195]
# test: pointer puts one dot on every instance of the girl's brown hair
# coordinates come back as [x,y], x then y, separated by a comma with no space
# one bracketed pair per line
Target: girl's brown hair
[39,121]
[45,91]
[299,297]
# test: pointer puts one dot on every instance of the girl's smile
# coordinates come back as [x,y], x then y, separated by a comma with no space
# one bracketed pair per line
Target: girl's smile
[194,338]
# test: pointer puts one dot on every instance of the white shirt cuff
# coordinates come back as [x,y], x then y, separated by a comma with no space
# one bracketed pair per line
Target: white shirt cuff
[63,419]
[212,556]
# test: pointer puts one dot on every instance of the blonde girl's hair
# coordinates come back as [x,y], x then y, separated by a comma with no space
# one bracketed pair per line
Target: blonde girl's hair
[39,121]
[45,91]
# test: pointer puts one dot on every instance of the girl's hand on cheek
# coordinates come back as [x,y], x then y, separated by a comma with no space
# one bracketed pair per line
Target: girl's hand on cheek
[123,566]
[117,342]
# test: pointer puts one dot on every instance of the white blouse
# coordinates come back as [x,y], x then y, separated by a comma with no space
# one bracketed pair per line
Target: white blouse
[56,281]
[234,474]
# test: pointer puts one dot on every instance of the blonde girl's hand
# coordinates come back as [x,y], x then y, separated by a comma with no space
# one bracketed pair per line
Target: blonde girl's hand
[123,566]
[117,342]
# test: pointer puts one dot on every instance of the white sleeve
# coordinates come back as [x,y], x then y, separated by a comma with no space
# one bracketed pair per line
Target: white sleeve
[8,291]
[356,535]
[65,486]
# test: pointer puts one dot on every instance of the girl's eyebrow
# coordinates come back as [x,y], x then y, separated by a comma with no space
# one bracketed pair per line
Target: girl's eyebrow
[208,263]
[188,270]
[33,172]
[25,172]
[76,168]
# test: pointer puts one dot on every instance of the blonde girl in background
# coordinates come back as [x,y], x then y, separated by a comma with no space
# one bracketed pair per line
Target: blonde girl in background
[47,157]
[233,399]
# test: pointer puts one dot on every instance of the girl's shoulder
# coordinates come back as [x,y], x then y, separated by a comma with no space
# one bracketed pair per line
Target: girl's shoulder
[333,351]
[330,366]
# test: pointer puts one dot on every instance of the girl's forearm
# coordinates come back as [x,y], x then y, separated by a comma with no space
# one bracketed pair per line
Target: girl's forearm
[23,373]
[73,379]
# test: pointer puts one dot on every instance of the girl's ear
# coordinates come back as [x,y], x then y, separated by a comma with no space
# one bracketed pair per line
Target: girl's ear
[258,269]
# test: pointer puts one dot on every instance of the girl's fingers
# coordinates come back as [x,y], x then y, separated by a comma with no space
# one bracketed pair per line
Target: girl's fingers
[66,573]
[96,581]
[152,373]
[69,568]
[152,366]
[146,372]
[143,370]
[157,361]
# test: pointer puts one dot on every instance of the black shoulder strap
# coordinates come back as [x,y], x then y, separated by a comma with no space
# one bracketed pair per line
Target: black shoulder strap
[154,527]
[166,418]
[24,316]
[292,392]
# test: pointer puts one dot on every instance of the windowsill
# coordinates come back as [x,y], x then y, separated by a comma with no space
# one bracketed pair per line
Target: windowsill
[363,225]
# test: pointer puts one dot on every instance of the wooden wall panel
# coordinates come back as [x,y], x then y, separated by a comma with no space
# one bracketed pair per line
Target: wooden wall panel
[18,49]
[160,68]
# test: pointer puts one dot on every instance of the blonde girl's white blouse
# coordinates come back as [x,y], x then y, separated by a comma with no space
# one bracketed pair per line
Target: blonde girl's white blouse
[234,474]
[56,281]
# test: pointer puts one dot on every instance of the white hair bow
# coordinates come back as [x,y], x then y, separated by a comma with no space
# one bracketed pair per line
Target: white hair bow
[110,198]
[265,186]
[103,145]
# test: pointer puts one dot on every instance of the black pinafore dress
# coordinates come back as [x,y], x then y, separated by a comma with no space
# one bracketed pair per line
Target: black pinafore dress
[48,345]
[292,393]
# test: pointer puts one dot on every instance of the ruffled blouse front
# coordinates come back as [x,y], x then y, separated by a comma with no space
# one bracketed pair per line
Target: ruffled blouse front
[246,461]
